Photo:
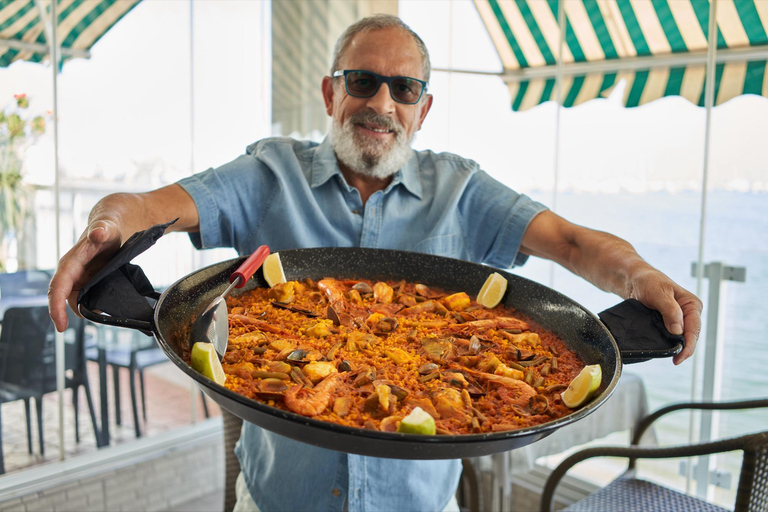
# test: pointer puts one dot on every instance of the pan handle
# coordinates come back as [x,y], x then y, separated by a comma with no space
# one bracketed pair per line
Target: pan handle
[147,327]
[640,332]
[117,294]
[123,298]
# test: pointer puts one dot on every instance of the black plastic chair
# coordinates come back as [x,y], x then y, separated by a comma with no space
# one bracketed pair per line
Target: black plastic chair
[629,493]
[231,428]
[135,359]
[28,365]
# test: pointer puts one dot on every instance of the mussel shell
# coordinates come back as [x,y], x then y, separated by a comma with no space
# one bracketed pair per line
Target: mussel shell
[387,325]
[331,314]
[538,404]
[297,356]
[272,385]
[422,290]
[365,377]
[362,287]
[428,368]
[285,305]
[399,392]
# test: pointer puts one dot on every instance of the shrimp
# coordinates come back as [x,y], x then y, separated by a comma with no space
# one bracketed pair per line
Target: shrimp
[333,290]
[503,322]
[346,312]
[259,324]
[515,392]
[311,402]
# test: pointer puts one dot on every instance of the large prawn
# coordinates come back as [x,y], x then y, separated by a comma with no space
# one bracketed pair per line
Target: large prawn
[334,290]
[478,326]
[259,324]
[516,392]
[345,312]
[311,402]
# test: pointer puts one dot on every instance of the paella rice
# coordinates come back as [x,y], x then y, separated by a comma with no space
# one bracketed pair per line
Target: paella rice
[365,354]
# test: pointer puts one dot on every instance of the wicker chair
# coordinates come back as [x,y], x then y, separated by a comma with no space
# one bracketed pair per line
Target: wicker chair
[628,493]
[231,429]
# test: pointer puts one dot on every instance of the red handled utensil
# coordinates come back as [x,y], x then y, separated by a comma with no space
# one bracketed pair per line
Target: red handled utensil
[212,325]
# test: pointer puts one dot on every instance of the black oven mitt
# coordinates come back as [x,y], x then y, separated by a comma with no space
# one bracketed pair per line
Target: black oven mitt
[640,332]
[121,289]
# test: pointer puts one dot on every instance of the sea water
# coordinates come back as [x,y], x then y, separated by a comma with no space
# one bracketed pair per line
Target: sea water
[664,228]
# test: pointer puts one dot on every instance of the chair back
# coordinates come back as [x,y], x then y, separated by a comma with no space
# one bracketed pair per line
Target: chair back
[25,283]
[74,343]
[28,348]
[752,494]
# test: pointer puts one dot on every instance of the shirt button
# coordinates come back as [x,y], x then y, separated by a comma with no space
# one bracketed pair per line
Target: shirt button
[356,212]
[336,492]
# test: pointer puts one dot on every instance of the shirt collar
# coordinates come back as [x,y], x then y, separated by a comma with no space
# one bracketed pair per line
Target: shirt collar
[325,166]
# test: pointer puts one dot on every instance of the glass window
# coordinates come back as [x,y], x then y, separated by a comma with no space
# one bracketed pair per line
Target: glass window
[160,98]
[636,173]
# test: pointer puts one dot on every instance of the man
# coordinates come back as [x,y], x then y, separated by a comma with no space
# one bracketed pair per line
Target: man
[365,186]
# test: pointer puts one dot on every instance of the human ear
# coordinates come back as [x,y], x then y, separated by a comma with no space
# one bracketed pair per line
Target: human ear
[425,109]
[328,94]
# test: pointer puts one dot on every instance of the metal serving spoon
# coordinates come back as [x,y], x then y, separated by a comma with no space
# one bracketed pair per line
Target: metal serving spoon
[212,325]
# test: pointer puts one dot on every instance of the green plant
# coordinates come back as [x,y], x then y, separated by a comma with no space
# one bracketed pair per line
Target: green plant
[18,130]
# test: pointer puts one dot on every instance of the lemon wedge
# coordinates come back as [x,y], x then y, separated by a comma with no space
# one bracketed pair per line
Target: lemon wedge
[204,360]
[583,387]
[418,422]
[492,291]
[273,270]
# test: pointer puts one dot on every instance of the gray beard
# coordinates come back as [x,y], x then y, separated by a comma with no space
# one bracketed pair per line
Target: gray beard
[369,157]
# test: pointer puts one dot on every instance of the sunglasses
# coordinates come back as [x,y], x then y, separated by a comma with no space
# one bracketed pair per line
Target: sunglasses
[365,84]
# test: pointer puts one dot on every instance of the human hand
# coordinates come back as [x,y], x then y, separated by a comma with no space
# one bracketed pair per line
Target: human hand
[680,309]
[90,253]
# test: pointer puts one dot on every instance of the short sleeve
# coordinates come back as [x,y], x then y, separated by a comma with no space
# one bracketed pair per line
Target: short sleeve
[230,202]
[496,218]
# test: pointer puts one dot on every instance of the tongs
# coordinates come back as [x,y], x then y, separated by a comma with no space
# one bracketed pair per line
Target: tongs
[212,326]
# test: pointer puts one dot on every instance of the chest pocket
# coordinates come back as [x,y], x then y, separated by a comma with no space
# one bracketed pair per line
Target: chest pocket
[442,245]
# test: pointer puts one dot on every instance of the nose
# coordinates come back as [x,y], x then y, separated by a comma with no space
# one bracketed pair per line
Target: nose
[382,102]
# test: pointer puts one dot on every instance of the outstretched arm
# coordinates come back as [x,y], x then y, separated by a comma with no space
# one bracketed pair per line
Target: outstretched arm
[612,264]
[114,219]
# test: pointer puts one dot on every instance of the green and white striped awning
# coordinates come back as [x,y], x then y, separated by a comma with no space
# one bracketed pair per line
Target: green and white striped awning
[658,47]
[24,31]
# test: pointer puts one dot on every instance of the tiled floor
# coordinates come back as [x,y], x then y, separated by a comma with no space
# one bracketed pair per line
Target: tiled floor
[169,396]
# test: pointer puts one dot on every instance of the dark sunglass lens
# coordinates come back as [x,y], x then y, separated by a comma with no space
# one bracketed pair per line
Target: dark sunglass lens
[361,84]
[406,90]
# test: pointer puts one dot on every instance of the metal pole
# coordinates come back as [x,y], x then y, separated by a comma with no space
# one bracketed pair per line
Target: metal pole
[702,475]
[192,385]
[450,75]
[559,100]
[712,372]
[266,62]
[59,337]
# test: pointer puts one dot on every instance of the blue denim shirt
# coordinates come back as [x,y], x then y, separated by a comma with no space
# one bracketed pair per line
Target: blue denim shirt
[291,194]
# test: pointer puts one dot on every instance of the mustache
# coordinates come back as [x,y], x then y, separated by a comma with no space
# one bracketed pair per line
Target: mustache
[377,119]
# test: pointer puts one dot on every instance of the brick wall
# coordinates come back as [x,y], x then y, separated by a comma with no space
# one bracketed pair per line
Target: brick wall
[171,474]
